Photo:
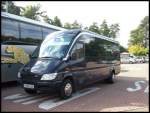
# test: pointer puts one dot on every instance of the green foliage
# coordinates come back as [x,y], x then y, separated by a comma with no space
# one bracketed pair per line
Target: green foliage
[32,12]
[74,25]
[56,21]
[140,35]
[67,25]
[138,50]
[137,37]
[104,29]
[94,28]
[10,7]
[114,29]
[47,19]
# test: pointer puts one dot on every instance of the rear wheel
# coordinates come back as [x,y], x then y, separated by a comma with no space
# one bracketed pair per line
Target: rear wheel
[110,79]
[66,89]
[30,91]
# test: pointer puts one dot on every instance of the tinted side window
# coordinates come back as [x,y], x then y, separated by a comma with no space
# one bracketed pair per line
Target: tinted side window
[107,46]
[116,52]
[103,49]
[31,33]
[77,51]
[97,49]
[10,30]
[90,52]
[110,50]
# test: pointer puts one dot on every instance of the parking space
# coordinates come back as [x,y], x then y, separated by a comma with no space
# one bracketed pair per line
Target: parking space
[130,92]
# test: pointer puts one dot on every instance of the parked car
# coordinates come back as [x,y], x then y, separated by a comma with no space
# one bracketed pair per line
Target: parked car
[128,60]
[140,60]
[146,59]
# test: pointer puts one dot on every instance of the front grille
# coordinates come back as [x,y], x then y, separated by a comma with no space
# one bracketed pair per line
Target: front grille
[30,78]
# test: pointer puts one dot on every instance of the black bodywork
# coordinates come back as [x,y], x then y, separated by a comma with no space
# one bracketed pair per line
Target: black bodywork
[85,64]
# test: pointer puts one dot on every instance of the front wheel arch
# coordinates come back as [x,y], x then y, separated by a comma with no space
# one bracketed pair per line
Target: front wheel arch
[111,77]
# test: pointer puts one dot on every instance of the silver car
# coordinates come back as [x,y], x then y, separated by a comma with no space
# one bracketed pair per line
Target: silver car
[128,60]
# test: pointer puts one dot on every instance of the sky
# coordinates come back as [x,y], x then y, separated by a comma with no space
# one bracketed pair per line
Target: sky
[127,14]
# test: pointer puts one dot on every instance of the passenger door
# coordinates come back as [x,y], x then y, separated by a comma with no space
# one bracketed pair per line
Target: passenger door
[77,63]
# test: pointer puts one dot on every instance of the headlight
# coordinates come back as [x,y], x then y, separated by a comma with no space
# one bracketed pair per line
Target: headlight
[49,76]
[19,75]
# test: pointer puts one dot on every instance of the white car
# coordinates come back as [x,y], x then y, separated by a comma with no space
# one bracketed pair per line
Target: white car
[140,60]
[128,60]
[146,59]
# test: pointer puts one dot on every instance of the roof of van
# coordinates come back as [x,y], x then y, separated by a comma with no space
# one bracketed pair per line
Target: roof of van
[24,19]
[94,34]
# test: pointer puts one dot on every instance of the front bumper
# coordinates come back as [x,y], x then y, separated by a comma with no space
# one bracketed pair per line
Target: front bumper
[43,85]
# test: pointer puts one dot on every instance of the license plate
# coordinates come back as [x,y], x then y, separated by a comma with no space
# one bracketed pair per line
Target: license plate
[28,86]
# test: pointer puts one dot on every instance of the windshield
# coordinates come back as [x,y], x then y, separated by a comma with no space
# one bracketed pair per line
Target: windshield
[56,44]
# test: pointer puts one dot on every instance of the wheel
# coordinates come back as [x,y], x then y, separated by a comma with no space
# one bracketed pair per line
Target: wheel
[30,91]
[110,79]
[66,89]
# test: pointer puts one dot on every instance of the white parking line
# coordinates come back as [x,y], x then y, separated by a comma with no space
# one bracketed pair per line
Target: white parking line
[49,104]
[146,90]
[29,98]
[15,96]
[48,101]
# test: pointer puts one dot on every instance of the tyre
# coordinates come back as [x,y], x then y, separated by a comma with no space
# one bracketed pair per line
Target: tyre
[66,89]
[30,91]
[110,79]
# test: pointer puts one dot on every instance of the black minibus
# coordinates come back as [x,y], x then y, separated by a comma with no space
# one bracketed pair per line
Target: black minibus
[68,59]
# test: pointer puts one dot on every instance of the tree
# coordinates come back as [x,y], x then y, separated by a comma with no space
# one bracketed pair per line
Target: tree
[47,19]
[10,7]
[138,50]
[140,35]
[94,28]
[74,25]
[32,12]
[114,29]
[145,26]
[137,37]
[104,29]
[67,25]
[3,6]
[56,22]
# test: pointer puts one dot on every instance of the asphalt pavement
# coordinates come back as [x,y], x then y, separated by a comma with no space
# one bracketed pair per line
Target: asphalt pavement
[129,93]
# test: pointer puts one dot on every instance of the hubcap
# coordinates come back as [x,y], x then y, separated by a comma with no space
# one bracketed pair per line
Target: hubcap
[68,89]
[113,76]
